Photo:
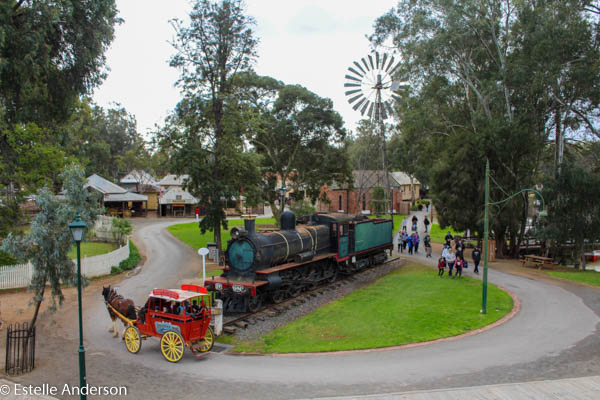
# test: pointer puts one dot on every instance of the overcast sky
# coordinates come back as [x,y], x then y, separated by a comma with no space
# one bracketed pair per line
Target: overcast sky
[306,42]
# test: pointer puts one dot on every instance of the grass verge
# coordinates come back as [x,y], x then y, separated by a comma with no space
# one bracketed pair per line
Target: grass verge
[90,249]
[588,277]
[190,233]
[410,305]
[438,234]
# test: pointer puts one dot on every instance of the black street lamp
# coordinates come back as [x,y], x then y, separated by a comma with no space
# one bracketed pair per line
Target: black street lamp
[282,190]
[78,228]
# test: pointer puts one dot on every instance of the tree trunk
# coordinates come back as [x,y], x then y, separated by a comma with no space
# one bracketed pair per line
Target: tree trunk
[277,211]
[582,250]
[522,231]
[37,308]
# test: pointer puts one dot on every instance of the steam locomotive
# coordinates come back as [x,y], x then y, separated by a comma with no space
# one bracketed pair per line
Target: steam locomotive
[275,265]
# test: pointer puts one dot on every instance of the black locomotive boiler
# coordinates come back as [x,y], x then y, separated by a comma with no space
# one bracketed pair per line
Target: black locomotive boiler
[275,265]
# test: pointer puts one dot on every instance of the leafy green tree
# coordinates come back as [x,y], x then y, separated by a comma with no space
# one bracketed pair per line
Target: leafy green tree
[204,133]
[492,80]
[299,137]
[47,245]
[51,52]
[378,200]
[573,203]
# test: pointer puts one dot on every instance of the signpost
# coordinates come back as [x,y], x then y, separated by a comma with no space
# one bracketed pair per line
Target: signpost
[203,251]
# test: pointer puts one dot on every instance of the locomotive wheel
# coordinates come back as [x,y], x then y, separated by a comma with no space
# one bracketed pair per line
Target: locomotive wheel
[333,277]
[171,346]
[207,343]
[133,339]
[279,296]
[295,290]
[254,303]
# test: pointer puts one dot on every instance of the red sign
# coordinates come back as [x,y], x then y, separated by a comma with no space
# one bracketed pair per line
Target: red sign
[194,288]
[197,211]
[165,293]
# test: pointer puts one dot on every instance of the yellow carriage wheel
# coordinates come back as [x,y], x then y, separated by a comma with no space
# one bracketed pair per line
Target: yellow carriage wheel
[171,346]
[207,343]
[133,339]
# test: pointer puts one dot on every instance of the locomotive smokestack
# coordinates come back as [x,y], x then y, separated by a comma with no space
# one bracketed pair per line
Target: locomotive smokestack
[287,221]
[249,224]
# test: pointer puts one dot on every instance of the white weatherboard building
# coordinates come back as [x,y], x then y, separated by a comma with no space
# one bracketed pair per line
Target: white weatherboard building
[176,202]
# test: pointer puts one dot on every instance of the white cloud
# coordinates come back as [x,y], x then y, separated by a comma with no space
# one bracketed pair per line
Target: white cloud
[306,42]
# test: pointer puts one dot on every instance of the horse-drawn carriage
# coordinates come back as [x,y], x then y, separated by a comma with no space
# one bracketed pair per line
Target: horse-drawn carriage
[179,317]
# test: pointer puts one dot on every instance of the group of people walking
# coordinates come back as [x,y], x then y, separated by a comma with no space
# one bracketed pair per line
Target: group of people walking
[454,258]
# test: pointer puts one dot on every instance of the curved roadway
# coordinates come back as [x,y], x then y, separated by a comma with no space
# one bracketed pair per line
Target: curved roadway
[552,337]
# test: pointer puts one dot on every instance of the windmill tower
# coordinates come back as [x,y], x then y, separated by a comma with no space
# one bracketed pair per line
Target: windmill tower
[371,90]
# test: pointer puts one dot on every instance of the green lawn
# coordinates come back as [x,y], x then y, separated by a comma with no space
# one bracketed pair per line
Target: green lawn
[190,233]
[407,306]
[89,249]
[589,277]
[437,234]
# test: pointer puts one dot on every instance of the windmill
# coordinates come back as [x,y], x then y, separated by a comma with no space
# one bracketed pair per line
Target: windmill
[371,87]
[371,90]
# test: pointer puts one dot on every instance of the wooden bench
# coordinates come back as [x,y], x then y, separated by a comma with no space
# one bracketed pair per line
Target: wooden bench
[538,261]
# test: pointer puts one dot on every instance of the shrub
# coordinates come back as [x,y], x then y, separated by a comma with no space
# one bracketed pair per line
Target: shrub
[302,208]
[414,208]
[7,259]
[115,270]
[133,260]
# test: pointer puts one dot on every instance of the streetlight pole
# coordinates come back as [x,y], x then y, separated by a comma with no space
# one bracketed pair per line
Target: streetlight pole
[78,228]
[486,228]
[542,214]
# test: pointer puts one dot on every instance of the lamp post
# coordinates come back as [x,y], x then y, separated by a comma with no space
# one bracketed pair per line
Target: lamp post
[543,213]
[282,190]
[78,228]
[392,201]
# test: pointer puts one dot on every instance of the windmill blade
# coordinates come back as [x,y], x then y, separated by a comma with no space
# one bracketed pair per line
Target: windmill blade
[355,71]
[362,110]
[396,97]
[350,84]
[365,64]
[359,67]
[377,59]
[370,113]
[395,68]
[353,99]
[371,61]
[390,64]
[352,77]
[349,92]
[384,60]
[397,84]
[357,105]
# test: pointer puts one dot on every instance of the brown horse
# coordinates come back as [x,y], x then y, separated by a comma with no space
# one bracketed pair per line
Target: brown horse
[124,306]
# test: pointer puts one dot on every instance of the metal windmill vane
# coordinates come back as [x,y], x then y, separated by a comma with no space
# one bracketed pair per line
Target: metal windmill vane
[372,85]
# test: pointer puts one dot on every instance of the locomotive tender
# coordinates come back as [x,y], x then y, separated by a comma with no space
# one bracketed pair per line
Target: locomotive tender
[282,263]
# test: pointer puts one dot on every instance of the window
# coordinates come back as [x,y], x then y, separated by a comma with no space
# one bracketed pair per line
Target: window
[340,207]
[364,201]
[177,197]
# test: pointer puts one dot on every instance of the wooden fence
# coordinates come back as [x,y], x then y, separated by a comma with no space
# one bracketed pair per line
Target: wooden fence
[19,276]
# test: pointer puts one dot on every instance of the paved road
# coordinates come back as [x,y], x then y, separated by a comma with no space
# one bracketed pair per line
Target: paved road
[554,336]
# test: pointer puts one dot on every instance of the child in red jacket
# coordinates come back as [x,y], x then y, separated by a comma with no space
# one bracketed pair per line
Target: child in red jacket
[441,266]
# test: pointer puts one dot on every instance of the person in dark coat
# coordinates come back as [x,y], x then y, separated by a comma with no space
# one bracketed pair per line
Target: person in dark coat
[460,248]
[414,222]
[476,258]
[417,241]
[427,244]
[448,238]
[426,223]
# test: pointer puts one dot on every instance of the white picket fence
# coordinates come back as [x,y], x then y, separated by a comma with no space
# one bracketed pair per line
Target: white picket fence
[18,276]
